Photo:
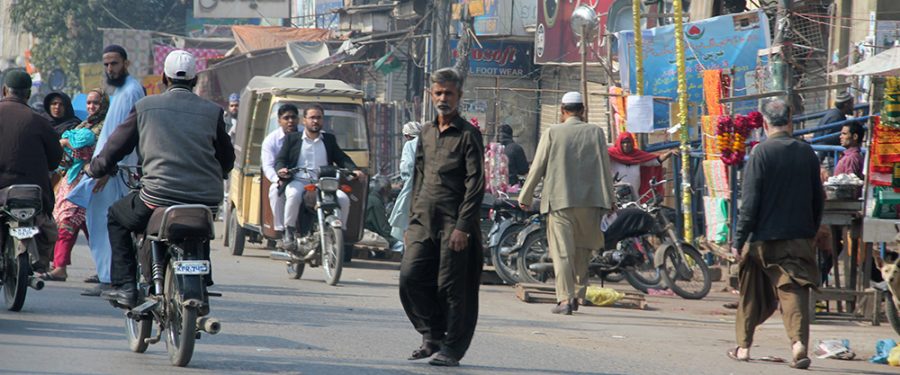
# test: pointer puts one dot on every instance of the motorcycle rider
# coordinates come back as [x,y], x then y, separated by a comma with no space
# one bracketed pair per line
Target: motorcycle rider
[312,148]
[29,150]
[186,153]
[287,123]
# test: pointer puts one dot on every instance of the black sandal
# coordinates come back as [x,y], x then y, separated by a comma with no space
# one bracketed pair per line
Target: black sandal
[424,351]
[801,363]
[442,359]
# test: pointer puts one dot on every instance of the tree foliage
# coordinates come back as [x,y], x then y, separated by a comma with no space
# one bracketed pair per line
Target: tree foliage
[68,32]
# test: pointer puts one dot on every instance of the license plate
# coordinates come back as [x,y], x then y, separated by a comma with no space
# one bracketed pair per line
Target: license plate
[22,233]
[191,267]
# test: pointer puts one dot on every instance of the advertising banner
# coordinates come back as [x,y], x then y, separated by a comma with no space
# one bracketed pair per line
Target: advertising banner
[242,8]
[554,42]
[496,58]
[725,42]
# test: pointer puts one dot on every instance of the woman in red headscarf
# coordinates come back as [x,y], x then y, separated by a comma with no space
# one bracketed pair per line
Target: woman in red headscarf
[636,167]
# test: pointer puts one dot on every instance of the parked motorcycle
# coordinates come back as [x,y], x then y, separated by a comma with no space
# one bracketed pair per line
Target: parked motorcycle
[641,243]
[508,219]
[19,205]
[173,268]
[320,241]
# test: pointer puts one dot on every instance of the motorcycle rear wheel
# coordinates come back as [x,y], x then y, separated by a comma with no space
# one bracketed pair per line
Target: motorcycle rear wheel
[332,254]
[644,276]
[507,266]
[15,279]
[535,250]
[137,331]
[181,323]
[687,276]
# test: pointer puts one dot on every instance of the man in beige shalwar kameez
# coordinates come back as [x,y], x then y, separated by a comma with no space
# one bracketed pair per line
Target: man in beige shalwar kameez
[572,161]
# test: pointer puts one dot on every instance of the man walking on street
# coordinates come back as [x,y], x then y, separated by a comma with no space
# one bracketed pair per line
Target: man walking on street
[441,268]
[573,162]
[99,194]
[780,213]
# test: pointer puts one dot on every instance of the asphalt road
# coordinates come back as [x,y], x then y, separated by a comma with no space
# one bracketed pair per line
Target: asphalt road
[272,324]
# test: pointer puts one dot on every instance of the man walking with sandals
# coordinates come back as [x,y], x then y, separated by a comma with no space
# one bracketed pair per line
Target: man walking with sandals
[781,209]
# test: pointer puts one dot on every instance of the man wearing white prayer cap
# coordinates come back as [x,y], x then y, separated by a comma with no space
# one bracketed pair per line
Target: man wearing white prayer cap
[573,163]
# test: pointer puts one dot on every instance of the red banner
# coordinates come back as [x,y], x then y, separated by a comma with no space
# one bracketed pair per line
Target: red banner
[554,41]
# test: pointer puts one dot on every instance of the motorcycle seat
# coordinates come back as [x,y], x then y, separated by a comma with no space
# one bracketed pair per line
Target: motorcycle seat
[21,195]
[181,222]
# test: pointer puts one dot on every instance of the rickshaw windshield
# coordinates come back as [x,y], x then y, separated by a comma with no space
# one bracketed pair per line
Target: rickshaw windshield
[346,121]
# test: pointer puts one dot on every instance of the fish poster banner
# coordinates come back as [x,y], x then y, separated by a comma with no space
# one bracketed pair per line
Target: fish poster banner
[725,42]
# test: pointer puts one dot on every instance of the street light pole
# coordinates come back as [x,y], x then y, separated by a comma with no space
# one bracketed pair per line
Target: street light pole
[584,89]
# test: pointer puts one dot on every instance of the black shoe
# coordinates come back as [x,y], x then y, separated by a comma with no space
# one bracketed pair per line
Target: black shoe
[443,359]
[288,241]
[92,280]
[562,308]
[125,295]
[96,290]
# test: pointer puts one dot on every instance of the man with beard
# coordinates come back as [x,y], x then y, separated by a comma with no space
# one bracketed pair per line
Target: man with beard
[441,269]
[59,107]
[231,114]
[97,195]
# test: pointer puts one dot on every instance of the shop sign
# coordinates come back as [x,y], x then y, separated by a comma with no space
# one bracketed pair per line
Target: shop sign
[495,58]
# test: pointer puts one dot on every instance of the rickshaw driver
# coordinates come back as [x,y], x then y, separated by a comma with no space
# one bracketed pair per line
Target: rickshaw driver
[311,148]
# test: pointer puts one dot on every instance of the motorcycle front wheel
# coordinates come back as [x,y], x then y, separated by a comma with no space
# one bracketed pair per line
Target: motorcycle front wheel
[687,275]
[181,322]
[332,254]
[892,312]
[15,277]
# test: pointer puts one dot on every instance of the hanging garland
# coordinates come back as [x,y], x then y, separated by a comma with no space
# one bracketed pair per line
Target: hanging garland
[731,136]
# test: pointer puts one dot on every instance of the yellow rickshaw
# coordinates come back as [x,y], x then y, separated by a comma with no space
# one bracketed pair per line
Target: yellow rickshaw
[247,211]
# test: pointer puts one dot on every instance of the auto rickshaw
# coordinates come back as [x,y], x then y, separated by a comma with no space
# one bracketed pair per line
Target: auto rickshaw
[248,214]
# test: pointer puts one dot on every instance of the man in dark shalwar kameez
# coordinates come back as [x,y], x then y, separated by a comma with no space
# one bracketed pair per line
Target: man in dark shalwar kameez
[441,269]
[781,209]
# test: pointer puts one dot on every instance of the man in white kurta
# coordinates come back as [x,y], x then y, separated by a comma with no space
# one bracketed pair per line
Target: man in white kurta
[126,92]
[287,123]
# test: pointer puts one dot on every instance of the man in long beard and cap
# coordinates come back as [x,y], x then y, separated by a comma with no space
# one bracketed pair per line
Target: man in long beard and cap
[97,195]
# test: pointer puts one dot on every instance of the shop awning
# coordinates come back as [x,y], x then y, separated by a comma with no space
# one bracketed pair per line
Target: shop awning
[886,63]
[252,38]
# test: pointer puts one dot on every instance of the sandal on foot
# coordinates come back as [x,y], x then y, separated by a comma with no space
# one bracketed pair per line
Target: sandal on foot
[442,359]
[732,353]
[801,363]
[424,351]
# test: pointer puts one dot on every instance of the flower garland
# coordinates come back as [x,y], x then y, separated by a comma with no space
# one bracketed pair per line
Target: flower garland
[731,136]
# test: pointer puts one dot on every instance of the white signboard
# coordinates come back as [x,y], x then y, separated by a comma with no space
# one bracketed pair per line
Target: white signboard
[242,8]
[639,112]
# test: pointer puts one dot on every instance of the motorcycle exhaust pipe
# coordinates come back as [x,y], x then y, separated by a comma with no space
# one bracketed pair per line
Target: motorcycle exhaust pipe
[211,326]
[541,267]
[280,255]
[35,282]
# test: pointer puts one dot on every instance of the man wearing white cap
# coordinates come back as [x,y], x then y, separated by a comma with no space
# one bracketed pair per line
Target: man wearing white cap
[186,154]
[572,161]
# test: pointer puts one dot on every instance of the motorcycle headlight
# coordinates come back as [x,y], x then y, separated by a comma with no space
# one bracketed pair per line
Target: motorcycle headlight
[22,214]
[329,185]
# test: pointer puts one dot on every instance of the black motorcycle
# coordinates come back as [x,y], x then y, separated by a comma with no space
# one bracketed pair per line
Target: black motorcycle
[173,267]
[320,242]
[19,205]
[508,219]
